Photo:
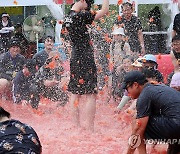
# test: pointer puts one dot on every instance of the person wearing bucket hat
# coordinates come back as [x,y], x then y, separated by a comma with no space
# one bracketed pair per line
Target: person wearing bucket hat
[6,29]
[157,112]
[119,47]
[82,58]
[10,63]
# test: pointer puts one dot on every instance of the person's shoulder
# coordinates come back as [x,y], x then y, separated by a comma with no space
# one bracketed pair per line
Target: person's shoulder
[19,74]
[2,55]
[5,56]
[39,53]
[21,56]
[147,88]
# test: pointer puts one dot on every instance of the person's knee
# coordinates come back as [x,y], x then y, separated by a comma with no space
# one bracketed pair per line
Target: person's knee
[4,84]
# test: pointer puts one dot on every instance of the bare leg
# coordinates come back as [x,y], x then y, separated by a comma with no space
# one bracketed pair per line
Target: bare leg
[5,87]
[74,100]
[90,110]
[142,148]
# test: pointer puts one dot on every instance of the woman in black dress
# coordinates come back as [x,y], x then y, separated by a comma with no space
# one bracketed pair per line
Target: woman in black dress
[83,77]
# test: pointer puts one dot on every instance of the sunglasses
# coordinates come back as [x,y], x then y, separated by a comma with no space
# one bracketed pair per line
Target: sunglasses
[129,85]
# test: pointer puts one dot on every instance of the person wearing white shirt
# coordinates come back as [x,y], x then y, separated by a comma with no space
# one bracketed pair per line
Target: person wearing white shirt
[6,29]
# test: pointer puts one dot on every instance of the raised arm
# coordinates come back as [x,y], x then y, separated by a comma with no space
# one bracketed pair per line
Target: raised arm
[104,10]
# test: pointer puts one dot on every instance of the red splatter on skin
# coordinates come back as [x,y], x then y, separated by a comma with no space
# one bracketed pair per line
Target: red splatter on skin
[81,81]
[76,103]
[138,123]
[119,18]
[98,28]
[120,2]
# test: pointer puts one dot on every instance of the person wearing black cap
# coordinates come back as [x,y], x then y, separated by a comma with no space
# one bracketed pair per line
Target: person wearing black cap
[158,113]
[6,28]
[24,88]
[10,63]
[17,137]
[83,78]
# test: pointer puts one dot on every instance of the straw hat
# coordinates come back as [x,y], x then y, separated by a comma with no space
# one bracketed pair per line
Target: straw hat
[139,62]
[117,31]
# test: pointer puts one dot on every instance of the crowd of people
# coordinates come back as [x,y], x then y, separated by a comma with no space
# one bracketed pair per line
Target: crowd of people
[132,78]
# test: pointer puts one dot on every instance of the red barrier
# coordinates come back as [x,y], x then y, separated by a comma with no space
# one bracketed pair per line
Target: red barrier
[165,65]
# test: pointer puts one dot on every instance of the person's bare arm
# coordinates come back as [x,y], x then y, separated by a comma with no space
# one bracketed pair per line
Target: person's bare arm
[173,33]
[103,11]
[139,127]
[141,40]
[174,62]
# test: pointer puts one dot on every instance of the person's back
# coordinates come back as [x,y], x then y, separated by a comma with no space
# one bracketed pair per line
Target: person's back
[17,137]
[163,101]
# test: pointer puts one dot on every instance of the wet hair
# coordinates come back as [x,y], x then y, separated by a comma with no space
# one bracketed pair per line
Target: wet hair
[49,37]
[152,73]
[128,4]
[176,38]
[18,25]
[4,113]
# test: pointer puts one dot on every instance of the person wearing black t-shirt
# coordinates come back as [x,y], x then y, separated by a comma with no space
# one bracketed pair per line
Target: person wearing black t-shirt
[133,28]
[176,25]
[83,72]
[158,113]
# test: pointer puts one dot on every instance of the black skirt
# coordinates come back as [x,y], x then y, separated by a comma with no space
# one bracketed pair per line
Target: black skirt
[83,72]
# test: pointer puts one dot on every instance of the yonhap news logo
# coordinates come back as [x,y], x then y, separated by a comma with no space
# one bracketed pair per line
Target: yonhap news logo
[134,141]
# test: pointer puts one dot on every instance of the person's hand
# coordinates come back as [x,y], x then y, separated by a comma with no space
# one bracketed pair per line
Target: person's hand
[117,111]
[143,51]
[24,102]
[119,68]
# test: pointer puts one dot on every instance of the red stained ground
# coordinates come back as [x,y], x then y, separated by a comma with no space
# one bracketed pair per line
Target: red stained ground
[58,136]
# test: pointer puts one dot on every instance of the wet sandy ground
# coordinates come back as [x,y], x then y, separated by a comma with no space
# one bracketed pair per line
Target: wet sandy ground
[58,136]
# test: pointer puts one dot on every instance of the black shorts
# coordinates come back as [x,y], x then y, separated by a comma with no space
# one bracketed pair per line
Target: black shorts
[160,127]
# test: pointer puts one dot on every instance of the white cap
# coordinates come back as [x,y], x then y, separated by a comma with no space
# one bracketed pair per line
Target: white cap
[117,31]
